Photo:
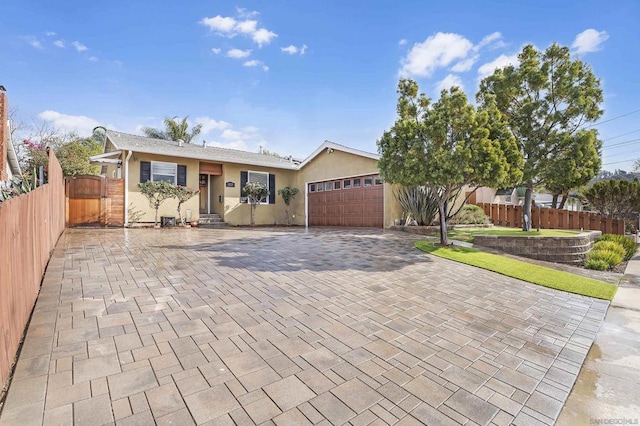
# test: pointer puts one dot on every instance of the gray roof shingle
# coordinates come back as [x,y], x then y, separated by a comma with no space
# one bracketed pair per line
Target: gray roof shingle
[210,153]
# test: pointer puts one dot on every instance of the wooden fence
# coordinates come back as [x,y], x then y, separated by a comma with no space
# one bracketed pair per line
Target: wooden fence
[548,218]
[30,226]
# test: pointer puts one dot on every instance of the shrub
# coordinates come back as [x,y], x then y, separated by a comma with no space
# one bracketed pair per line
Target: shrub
[611,246]
[612,258]
[627,243]
[471,215]
[418,203]
[596,264]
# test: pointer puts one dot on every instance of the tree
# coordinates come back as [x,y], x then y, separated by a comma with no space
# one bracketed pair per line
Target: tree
[545,100]
[174,130]
[74,156]
[573,167]
[446,147]
[287,193]
[183,194]
[157,193]
[614,197]
[255,193]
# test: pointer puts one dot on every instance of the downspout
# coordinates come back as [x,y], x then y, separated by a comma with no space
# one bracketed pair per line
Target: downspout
[126,189]
[306,205]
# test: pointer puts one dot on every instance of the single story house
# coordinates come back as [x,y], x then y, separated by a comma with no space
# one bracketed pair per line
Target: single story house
[338,185]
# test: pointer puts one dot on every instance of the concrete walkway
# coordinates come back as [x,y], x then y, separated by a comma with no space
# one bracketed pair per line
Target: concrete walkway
[290,327]
[608,387]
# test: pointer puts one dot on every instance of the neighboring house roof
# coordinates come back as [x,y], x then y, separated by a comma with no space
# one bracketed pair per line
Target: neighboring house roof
[507,191]
[328,145]
[124,141]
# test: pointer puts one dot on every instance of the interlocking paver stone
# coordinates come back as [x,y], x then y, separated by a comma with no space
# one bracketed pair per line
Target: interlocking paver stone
[289,326]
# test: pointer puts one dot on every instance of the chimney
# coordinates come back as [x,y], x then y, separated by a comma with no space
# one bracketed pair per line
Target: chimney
[204,144]
[4,134]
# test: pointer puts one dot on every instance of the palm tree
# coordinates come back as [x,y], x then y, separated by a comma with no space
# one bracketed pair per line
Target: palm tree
[174,129]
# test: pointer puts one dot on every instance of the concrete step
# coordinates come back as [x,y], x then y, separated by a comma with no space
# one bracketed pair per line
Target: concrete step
[212,225]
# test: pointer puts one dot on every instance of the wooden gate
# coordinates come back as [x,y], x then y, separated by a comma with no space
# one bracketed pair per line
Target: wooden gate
[95,201]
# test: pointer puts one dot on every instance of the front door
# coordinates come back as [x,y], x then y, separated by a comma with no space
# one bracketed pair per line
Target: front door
[204,193]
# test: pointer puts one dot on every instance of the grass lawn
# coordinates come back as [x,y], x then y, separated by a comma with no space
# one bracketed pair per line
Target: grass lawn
[524,271]
[468,234]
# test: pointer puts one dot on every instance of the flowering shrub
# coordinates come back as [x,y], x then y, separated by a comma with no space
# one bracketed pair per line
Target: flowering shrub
[255,193]
[183,194]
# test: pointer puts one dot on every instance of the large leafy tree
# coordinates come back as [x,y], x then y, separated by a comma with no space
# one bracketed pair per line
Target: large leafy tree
[546,100]
[572,168]
[614,197]
[446,147]
[174,129]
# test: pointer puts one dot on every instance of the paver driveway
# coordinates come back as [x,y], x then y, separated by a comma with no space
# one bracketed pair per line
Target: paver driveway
[292,327]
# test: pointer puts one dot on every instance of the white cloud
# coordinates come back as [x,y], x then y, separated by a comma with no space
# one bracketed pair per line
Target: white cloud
[263,36]
[438,50]
[229,134]
[230,27]
[292,50]
[50,33]
[238,54]
[488,40]
[403,42]
[265,68]
[500,62]
[448,82]
[81,124]
[247,27]
[59,43]
[465,64]
[216,50]
[209,124]
[220,24]
[36,43]
[252,63]
[93,58]
[79,46]
[244,13]
[589,40]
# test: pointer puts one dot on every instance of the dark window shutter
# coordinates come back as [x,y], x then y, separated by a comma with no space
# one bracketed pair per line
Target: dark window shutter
[182,175]
[244,177]
[145,171]
[272,189]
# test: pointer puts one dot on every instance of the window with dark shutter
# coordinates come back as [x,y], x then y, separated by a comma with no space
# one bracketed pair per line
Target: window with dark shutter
[145,171]
[272,189]
[182,175]
[244,178]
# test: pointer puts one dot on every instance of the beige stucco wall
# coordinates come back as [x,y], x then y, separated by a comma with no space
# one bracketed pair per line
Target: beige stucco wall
[237,213]
[168,208]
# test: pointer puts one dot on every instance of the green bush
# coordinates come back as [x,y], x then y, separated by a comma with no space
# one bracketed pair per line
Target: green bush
[611,246]
[596,264]
[629,245]
[612,258]
[471,215]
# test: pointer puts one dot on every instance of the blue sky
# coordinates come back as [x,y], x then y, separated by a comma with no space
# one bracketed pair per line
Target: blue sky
[286,75]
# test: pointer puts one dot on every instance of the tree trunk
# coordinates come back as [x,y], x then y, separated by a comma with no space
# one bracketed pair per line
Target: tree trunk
[156,222]
[286,214]
[564,201]
[180,214]
[554,201]
[443,223]
[526,218]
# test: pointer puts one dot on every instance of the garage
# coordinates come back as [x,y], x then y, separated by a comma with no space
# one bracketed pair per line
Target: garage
[352,202]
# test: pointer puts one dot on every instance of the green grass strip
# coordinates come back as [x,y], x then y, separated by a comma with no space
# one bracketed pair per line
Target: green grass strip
[524,271]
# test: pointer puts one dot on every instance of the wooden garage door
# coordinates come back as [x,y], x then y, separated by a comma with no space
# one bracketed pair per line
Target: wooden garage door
[356,202]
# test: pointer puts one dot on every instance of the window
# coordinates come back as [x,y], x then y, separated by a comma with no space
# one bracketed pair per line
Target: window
[377,180]
[356,183]
[157,171]
[346,184]
[336,184]
[368,181]
[267,179]
[327,186]
[312,187]
[320,187]
[164,171]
